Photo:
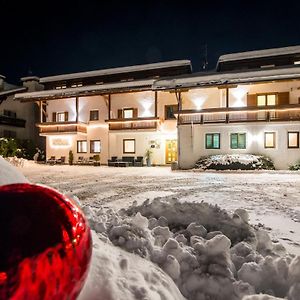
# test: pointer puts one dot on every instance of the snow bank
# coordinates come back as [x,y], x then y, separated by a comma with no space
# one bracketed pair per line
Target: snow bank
[9,174]
[235,162]
[208,254]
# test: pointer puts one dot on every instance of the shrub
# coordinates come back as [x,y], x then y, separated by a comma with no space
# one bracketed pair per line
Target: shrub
[295,167]
[235,162]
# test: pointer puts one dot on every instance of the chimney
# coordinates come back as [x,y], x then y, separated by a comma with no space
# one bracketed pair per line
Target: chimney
[32,83]
[2,79]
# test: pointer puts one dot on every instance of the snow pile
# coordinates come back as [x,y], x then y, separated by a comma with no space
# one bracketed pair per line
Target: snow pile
[9,174]
[207,253]
[235,162]
[16,161]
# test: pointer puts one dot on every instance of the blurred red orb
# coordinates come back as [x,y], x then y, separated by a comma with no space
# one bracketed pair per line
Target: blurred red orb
[45,244]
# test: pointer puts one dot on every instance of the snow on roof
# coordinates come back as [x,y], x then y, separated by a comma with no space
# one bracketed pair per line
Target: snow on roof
[217,78]
[12,91]
[168,64]
[259,53]
[69,92]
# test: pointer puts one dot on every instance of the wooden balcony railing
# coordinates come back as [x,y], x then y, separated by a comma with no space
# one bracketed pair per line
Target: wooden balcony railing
[5,120]
[61,128]
[133,124]
[241,114]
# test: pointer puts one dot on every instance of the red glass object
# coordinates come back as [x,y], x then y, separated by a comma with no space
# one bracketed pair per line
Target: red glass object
[45,244]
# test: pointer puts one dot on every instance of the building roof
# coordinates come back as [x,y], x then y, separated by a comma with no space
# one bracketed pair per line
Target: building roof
[218,78]
[260,53]
[86,90]
[120,70]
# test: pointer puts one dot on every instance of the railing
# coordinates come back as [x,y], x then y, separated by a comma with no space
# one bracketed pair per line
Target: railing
[5,120]
[63,127]
[241,114]
[133,124]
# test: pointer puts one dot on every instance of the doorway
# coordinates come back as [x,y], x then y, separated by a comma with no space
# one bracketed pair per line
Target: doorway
[171,151]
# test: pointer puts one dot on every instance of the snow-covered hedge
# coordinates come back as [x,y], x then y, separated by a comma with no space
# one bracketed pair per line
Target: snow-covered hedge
[235,162]
[207,253]
[295,167]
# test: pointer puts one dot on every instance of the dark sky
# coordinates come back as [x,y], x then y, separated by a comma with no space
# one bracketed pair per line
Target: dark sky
[55,37]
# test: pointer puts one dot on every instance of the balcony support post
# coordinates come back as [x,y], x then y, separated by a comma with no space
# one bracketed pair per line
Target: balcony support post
[155,95]
[109,106]
[41,111]
[76,104]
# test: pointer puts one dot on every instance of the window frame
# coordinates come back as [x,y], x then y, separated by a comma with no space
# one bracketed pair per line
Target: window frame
[174,111]
[92,111]
[266,98]
[212,135]
[238,134]
[58,114]
[91,142]
[124,142]
[127,109]
[80,141]
[288,140]
[265,139]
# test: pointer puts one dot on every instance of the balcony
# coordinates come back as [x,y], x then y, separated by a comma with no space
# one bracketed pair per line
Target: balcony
[54,128]
[274,113]
[133,124]
[9,121]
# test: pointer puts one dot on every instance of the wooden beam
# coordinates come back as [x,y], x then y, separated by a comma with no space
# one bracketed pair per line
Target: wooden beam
[155,95]
[109,106]
[76,104]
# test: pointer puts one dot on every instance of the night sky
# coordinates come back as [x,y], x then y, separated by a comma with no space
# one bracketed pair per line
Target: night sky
[54,37]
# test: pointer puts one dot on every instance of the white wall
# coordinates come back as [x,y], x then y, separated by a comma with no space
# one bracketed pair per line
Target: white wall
[192,141]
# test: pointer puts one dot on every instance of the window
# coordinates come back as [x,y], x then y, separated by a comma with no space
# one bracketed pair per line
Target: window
[293,139]
[81,146]
[60,117]
[94,115]
[270,139]
[128,113]
[238,141]
[95,146]
[267,99]
[129,146]
[9,113]
[170,111]
[212,141]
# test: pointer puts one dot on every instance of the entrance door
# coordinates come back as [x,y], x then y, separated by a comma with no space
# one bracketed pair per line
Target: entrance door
[171,151]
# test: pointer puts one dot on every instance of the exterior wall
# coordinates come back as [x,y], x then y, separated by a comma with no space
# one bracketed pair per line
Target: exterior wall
[213,97]
[24,111]
[192,142]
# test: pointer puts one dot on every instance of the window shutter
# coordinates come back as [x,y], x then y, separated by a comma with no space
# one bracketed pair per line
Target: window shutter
[283,98]
[120,114]
[54,117]
[66,116]
[135,113]
[251,100]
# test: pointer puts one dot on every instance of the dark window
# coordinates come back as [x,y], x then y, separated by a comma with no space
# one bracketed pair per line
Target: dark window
[238,140]
[9,113]
[94,115]
[293,139]
[212,141]
[270,139]
[170,111]
[129,146]
[95,146]
[81,146]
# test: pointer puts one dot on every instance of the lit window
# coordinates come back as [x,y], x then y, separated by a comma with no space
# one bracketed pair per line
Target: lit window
[238,140]
[293,139]
[212,141]
[297,62]
[60,117]
[128,113]
[81,146]
[95,146]
[129,146]
[270,138]
[94,115]
[268,99]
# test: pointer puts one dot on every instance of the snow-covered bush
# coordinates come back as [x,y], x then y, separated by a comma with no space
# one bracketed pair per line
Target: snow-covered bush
[295,167]
[235,162]
[208,253]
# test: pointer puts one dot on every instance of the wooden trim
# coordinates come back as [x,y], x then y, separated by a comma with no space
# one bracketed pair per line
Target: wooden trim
[78,144]
[288,140]
[274,139]
[131,120]
[91,141]
[124,141]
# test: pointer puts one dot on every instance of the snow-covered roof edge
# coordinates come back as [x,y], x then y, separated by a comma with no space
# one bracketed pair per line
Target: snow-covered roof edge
[227,78]
[259,53]
[13,91]
[168,64]
[69,92]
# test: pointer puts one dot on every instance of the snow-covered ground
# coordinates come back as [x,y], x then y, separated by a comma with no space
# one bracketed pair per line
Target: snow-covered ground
[182,245]
[271,198]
